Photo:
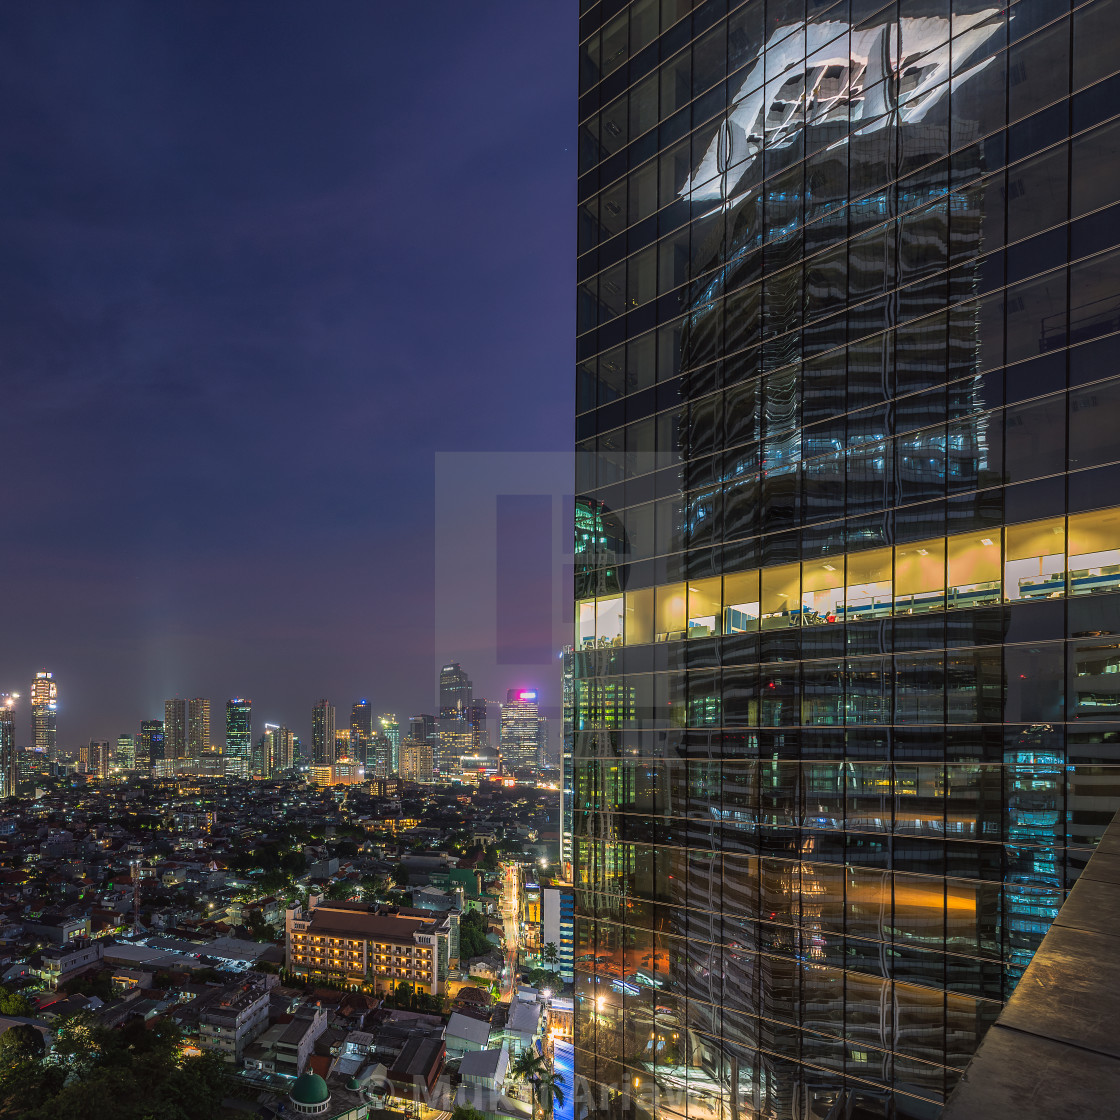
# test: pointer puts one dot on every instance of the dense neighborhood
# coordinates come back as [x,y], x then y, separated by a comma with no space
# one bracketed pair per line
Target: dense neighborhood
[181,948]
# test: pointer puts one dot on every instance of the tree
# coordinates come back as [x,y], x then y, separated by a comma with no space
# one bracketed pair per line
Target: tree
[21,1043]
[551,953]
[400,875]
[528,1065]
[473,941]
[549,1090]
[546,1086]
[466,1112]
[14,1004]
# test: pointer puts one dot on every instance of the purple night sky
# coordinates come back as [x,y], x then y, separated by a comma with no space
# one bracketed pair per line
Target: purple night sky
[262,262]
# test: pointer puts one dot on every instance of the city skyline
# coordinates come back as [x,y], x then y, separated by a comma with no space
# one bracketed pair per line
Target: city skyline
[195,713]
[218,342]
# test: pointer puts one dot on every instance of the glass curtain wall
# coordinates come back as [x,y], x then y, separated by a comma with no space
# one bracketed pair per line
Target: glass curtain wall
[846,676]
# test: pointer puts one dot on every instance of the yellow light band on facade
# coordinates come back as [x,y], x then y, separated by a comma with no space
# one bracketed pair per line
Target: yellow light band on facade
[1046,559]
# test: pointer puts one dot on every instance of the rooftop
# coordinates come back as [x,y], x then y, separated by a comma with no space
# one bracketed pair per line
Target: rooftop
[486,1064]
[419,1058]
[362,923]
[465,1026]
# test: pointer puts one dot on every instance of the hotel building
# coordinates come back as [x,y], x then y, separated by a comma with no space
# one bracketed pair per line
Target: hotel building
[377,948]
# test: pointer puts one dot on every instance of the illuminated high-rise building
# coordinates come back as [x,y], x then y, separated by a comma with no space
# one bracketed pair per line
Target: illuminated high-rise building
[9,753]
[380,756]
[198,727]
[44,709]
[285,749]
[262,764]
[361,730]
[456,735]
[94,759]
[322,733]
[455,692]
[424,729]
[151,747]
[239,737]
[124,757]
[521,731]
[175,729]
[847,541]
[391,729]
[278,750]
[416,760]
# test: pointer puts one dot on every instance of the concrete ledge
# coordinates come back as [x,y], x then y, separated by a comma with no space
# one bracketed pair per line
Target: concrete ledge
[1054,1052]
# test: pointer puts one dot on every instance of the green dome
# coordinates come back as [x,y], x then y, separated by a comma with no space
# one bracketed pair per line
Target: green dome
[310,1088]
[354,1084]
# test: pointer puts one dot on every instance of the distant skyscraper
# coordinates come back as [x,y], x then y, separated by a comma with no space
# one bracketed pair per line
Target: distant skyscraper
[284,745]
[175,728]
[456,738]
[9,755]
[44,706]
[455,692]
[151,748]
[391,729]
[198,728]
[93,758]
[361,730]
[239,736]
[322,733]
[262,757]
[416,760]
[521,730]
[276,751]
[124,758]
[342,743]
[381,755]
[476,716]
[423,729]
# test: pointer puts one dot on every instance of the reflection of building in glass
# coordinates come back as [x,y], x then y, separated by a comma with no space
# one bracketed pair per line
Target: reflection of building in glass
[567,736]
[847,558]
[44,714]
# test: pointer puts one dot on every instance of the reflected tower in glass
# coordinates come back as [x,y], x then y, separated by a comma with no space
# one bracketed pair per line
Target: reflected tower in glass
[846,672]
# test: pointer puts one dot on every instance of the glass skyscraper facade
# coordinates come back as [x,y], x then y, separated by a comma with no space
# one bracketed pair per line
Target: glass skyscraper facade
[846,713]
[239,737]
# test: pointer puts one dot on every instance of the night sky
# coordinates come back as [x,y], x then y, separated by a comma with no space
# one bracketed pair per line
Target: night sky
[262,261]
